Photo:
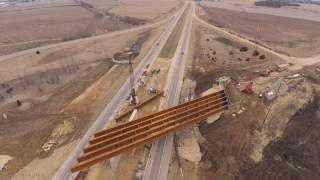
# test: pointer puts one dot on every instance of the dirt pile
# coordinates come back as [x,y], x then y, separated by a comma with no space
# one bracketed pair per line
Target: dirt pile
[282,109]
[188,146]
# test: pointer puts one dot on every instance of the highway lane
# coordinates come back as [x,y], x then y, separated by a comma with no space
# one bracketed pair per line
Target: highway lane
[157,167]
[108,114]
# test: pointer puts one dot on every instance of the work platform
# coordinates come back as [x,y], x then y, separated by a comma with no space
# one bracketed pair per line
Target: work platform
[113,141]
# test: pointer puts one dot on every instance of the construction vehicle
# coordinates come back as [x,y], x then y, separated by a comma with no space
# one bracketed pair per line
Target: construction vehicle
[133,100]
[152,89]
[283,67]
[133,96]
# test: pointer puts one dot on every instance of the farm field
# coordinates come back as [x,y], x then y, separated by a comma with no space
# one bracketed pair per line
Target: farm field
[34,24]
[145,9]
[304,11]
[293,37]
[30,28]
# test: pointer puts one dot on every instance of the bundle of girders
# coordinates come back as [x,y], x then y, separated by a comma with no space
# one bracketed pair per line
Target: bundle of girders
[114,141]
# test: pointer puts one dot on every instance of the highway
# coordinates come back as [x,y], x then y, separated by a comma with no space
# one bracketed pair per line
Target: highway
[110,111]
[157,167]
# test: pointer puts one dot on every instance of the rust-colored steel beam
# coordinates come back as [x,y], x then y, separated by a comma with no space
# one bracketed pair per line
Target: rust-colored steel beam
[114,141]
[160,113]
[138,123]
[102,141]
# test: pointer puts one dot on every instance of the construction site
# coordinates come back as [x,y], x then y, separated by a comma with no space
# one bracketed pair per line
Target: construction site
[159,90]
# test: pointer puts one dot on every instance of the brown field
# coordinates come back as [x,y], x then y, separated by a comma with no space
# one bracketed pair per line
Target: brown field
[104,5]
[295,37]
[145,9]
[31,28]
[34,24]
[304,11]
[219,53]
[46,23]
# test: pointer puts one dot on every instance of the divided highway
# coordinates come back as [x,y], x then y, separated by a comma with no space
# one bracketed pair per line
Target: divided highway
[108,114]
[157,167]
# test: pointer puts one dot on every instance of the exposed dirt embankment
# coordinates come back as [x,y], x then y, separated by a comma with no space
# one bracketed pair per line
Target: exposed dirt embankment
[228,140]
[286,148]
[296,155]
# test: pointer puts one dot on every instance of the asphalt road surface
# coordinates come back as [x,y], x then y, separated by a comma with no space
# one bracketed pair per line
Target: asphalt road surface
[157,167]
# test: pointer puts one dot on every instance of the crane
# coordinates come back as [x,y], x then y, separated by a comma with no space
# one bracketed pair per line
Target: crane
[133,99]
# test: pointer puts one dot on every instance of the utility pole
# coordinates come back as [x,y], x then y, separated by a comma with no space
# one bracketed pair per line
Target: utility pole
[269,109]
[133,91]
